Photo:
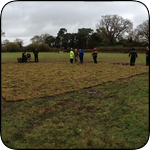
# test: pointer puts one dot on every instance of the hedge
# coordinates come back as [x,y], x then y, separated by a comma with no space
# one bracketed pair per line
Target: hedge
[100,50]
[117,49]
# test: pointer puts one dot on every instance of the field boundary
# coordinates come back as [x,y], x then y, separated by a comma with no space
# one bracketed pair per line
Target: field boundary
[104,83]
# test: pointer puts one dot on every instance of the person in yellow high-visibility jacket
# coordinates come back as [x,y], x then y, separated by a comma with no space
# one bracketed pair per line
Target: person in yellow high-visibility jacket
[71,55]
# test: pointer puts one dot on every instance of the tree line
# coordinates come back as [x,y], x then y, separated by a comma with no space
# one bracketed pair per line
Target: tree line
[111,30]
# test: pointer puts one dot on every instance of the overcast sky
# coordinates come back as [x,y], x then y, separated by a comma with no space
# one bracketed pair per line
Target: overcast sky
[26,19]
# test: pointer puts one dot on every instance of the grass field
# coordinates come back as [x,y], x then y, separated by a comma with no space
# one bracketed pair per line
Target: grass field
[51,56]
[74,105]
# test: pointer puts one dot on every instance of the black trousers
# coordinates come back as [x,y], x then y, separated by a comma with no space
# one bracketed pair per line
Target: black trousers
[95,59]
[76,58]
[24,59]
[147,61]
[36,58]
[71,60]
[81,59]
[132,61]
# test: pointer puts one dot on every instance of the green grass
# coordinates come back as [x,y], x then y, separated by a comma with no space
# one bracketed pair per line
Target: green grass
[113,115]
[25,81]
[52,56]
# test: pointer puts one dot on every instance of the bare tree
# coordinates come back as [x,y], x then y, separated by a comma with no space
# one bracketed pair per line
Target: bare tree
[39,39]
[5,42]
[143,31]
[2,33]
[131,35]
[112,27]
[35,39]
[19,42]
[43,38]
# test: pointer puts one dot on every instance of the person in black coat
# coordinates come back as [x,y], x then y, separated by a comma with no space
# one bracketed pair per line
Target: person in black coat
[24,58]
[147,57]
[133,54]
[36,55]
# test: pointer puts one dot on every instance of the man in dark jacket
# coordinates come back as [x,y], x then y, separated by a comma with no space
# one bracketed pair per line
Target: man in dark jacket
[76,55]
[94,54]
[133,56]
[36,55]
[147,57]
[24,58]
[81,54]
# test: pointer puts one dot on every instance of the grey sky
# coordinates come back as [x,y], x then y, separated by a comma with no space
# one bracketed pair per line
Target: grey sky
[23,20]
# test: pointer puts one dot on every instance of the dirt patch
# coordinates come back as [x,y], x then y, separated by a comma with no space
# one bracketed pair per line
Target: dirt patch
[91,91]
[89,108]
[7,106]
[62,103]
[31,61]
[120,63]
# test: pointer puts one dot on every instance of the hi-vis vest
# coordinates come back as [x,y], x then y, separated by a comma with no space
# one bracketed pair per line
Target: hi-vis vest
[71,54]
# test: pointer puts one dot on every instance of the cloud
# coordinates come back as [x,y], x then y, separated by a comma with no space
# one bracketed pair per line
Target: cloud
[25,19]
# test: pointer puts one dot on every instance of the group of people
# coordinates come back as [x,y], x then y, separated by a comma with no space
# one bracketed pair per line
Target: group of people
[25,57]
[134,55]
[75,55]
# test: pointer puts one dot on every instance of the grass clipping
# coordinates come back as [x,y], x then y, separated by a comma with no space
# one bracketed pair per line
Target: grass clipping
[30,80]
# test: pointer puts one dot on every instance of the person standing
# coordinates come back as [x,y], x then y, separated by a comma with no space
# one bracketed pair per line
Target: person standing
[36,55]
[81,54]
[24,58]
[133,54]
[71,55]
[94,54]
[147,57]
[76,55]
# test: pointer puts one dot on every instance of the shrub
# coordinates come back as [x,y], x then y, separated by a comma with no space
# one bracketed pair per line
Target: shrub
[44,48]
[114,49]
[40,47]
[32,47]
[12,47]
